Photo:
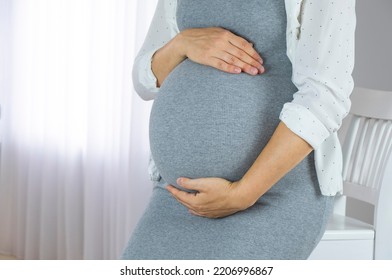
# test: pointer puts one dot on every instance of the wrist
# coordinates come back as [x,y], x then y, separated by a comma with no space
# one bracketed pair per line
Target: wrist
[246,194]
[165,59]
[179,45]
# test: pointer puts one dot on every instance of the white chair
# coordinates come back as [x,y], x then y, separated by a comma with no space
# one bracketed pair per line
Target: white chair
[361,225]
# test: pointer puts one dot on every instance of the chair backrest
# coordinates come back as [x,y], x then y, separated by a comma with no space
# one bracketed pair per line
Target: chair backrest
[367,147]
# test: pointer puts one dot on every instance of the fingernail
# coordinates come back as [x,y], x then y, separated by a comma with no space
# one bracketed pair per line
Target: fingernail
[262,69]
[179,181]
[237,70]
[261,61]
[254,71]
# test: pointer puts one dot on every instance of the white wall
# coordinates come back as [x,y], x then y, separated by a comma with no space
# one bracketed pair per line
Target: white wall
[373,58]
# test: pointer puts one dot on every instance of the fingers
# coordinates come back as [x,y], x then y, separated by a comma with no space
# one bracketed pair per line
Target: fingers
[249,62]
[238,53]
[230,64]
[222,65]
[244,50]
[187,199]
[198,205]
[221,49]
[245,46]
[241,59]
[190,200]
[213,197]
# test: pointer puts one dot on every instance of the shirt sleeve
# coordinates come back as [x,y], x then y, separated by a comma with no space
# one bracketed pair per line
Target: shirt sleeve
[323,61]
[162,29]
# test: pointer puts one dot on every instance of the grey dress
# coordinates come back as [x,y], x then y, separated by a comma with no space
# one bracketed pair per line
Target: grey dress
[208,123]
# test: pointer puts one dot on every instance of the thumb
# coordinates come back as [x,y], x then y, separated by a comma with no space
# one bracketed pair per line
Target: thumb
[189,184]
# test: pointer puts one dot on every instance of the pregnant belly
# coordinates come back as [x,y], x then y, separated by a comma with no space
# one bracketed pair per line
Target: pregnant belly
[206,123]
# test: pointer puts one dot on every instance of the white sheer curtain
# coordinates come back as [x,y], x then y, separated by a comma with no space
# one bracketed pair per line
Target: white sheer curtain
[74,135]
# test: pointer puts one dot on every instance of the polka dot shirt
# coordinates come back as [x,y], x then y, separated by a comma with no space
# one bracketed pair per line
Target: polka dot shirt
[320,45]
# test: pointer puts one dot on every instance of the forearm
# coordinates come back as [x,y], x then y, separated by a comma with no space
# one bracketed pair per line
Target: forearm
[166,59]
[282,153]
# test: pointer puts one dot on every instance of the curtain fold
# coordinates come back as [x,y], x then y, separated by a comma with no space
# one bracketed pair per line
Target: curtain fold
[74,135]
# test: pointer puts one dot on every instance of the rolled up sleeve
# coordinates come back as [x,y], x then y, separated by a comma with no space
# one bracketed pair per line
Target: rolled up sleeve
[323,61]
[162,29]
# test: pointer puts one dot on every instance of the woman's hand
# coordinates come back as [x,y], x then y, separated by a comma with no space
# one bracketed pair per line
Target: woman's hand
[212,46]
[215,197]
[220,48]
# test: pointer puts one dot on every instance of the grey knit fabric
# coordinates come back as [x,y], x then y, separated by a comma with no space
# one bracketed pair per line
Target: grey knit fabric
[208,123]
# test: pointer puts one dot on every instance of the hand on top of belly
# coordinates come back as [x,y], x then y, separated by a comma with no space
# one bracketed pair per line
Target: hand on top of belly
[215,197]
[221,49]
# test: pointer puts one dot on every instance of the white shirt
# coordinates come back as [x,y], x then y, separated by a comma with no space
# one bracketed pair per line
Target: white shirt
[320,45]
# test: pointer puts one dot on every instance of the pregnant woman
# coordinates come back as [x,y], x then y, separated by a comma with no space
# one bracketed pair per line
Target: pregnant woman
[249,96]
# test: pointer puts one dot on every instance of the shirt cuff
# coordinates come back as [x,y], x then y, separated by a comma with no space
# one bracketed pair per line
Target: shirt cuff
[145,82]
[304,123]
[150,80]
